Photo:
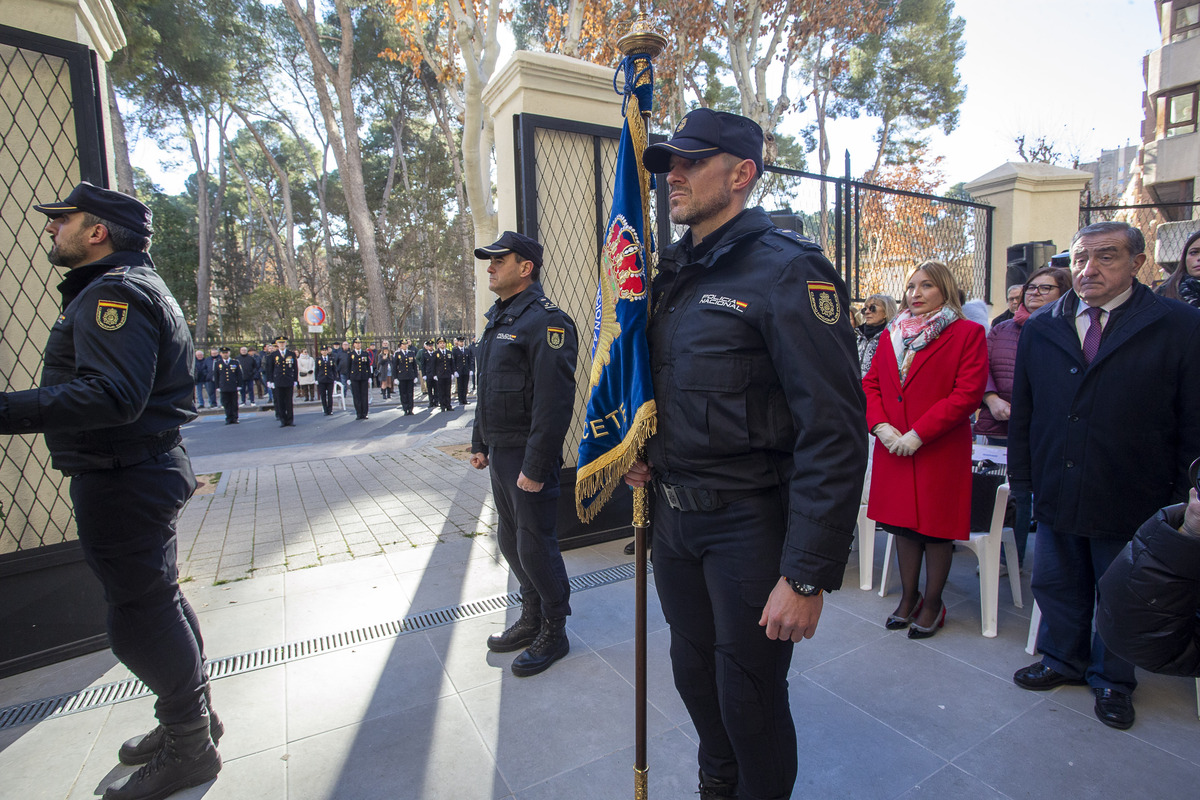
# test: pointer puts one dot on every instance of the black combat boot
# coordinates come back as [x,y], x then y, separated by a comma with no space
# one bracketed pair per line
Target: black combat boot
[186,758]
[716,789]
[521,633]
[139,749]
[550,645]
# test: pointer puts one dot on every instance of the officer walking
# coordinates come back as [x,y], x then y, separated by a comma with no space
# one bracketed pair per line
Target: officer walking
[327,373]
[227,372]
[759,455]
[358,367]
[406,375]
[286,373]
[117,383]
[526,397]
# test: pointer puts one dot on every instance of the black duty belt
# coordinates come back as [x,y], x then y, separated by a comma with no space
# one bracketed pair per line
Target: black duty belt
[685,498]
[128,453]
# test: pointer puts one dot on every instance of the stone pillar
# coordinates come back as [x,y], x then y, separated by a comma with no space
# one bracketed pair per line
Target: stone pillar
[555,86]
[1034,202]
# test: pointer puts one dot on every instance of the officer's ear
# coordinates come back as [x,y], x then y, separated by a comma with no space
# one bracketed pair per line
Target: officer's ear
[526,267]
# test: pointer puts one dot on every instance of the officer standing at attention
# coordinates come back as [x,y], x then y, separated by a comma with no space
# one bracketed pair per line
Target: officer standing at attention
[442,366]
[406,375]
[327,373]
[117,383]
[287,367]
[464,365]
[358,367]
[526,397]
[425,361]
[759,456]
[227,372]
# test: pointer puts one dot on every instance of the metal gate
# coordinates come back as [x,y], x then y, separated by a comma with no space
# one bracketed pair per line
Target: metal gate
[1166,227]
[50,605]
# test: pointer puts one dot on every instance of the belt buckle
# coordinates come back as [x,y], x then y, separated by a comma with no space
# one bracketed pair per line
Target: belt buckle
[672,496]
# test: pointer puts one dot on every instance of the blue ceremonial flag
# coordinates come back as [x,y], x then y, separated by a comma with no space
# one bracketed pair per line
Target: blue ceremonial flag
[620,410]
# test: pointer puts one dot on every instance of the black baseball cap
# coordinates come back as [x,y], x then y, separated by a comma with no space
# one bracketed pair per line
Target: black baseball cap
[513,242]
[118,208]
[703,133]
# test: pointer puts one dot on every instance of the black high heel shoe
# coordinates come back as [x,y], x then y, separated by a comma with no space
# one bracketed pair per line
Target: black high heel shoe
[895,623]
[917,632]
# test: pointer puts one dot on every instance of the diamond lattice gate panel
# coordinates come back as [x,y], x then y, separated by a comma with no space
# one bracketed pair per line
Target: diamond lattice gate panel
[49,140]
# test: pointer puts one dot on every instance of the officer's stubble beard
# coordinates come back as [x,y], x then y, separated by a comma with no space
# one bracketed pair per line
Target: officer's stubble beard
[68,251]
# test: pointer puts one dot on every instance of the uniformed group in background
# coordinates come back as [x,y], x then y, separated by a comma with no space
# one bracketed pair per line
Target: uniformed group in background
[439,373]
[756,468]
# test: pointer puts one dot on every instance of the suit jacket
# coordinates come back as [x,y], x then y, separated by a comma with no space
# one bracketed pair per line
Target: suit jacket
[929,491]
[1104,446]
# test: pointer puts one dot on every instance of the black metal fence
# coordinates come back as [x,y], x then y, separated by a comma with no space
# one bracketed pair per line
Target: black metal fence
[1166,227]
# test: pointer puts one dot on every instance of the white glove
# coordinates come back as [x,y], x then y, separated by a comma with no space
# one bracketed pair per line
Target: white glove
[908,444]
[416,381]
[455,375]
[887,434]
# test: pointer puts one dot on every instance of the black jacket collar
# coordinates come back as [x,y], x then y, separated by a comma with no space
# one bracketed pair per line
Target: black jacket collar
[750,223]
[78,278]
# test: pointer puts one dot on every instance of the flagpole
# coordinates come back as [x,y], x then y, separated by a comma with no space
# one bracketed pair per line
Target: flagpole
[641,40]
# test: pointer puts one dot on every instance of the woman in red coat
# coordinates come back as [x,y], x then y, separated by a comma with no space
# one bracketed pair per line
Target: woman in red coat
[925,381]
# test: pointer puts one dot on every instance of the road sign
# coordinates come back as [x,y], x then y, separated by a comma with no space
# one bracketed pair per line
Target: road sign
[314,315]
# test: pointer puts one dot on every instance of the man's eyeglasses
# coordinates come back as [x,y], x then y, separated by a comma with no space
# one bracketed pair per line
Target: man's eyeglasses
[1044,288]
[871,309]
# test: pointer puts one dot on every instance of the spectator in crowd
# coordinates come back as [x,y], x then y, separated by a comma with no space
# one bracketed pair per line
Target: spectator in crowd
[1045,286]
[307,380]
[1014,300]
[1102,429]
[214,355]
[249,373]
[385,372]
[269,355]
[1149,612]
[260,385]
[877,312]
[1184,283]
[926,380]
[202,370]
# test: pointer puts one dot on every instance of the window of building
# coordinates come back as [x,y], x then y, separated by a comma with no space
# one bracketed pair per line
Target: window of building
[1181,112]
[1185,21]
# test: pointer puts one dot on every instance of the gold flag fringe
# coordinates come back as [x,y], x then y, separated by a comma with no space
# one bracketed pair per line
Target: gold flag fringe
[599,479]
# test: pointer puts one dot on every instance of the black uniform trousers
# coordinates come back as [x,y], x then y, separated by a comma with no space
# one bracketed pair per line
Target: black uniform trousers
[463,379]
[431,387]
[325,392]
[404,388]
[230,401]
[126,522]
[283,403]
[526,533]
[714,571]
[444,389]
[361,391]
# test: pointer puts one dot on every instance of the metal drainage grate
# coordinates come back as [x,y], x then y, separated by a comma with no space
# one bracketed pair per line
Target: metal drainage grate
[132,688]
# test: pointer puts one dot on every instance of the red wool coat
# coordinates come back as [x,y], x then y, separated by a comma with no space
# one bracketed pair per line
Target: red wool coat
[929,491]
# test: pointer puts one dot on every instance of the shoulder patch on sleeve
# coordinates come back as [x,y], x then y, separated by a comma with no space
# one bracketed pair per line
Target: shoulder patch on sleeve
[111,315]
[823,298]
[555,337]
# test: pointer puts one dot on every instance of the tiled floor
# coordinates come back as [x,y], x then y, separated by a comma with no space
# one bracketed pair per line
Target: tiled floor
[432,714]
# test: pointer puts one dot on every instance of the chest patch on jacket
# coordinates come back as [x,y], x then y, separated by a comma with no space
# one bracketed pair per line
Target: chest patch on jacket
[822,296]
[739,306]
[507,337]
[111,315]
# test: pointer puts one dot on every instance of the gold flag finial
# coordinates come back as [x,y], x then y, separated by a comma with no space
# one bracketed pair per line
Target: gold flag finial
[643,38]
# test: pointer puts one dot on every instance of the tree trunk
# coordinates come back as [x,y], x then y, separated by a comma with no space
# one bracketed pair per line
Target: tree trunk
[120,145]
[285,188]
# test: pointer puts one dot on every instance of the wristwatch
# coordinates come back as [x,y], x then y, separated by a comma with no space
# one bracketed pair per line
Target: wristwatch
[803,589]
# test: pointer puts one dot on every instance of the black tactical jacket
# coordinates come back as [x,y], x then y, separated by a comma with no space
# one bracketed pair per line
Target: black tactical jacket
[117,380]
[756,381]
[526,380]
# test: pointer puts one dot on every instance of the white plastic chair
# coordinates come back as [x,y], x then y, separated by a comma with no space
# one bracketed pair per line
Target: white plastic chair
[866,549]
[986,547]
[339,393]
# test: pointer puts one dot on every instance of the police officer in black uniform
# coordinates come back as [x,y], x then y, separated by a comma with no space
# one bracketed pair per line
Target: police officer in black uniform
[441,365]
[287,370]
[464,365]
[526,397]
[117,383]
[406,375]
[358,367]
[425,362]
[227,373]
[759,455]
[326,374]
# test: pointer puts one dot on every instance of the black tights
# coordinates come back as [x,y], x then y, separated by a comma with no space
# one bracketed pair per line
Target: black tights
[937,556]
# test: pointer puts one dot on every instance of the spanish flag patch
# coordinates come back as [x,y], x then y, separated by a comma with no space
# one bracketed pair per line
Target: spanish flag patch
[111,315]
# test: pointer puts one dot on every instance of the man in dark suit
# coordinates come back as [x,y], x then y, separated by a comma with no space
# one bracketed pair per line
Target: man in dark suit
[358,369]
[1103,428]
[463,366]
[227,373]
[327,374]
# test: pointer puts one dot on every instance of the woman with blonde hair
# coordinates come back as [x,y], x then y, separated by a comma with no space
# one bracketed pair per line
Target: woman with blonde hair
[925,381]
